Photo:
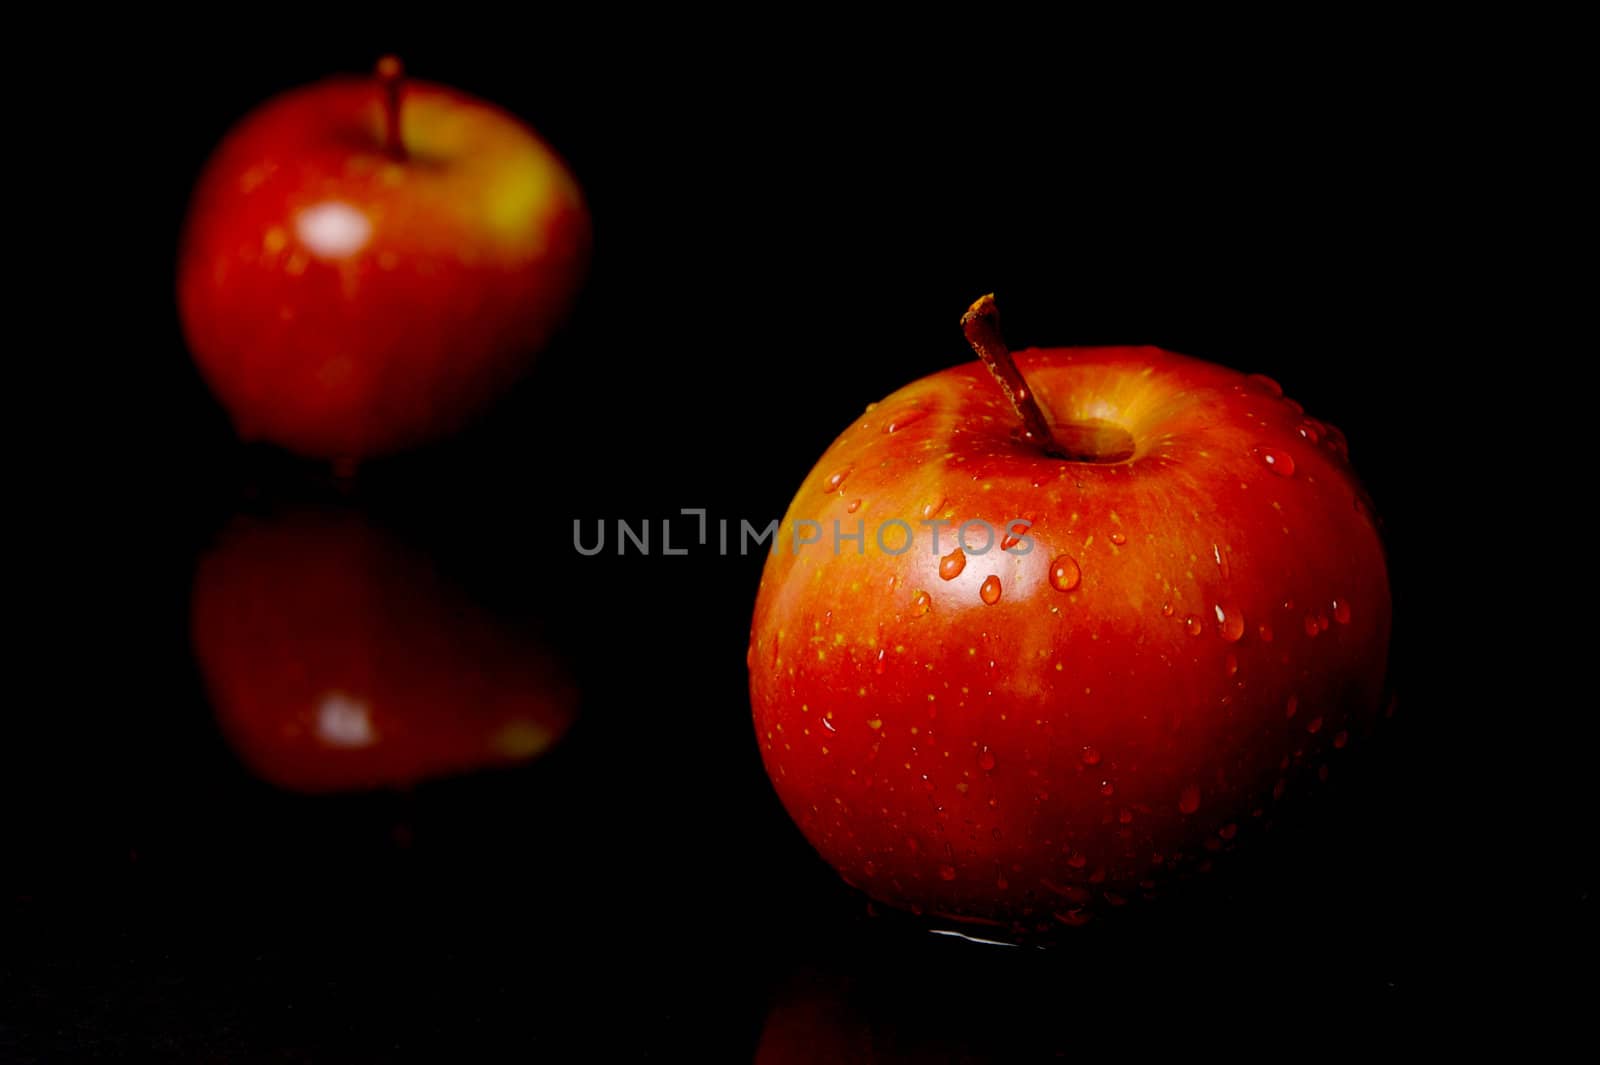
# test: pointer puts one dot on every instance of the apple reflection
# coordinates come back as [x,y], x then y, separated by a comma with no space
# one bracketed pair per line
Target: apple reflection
[337,660]
[814,1020]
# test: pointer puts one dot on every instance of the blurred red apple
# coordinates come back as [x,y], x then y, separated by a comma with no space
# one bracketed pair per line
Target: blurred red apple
[335,660]
[367,263]
[1182,618]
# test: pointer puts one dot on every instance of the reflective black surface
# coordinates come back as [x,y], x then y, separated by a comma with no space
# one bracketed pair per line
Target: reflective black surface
[777,244]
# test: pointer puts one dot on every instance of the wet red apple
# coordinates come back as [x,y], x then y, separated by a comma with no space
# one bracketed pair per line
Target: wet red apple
[367,263]
[1181,620]
[336,660]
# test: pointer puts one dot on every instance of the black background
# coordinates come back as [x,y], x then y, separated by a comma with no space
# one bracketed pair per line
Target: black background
[782,235]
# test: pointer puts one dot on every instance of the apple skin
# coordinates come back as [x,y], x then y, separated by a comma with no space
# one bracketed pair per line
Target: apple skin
[337,661]
[342,303]
[1030,761]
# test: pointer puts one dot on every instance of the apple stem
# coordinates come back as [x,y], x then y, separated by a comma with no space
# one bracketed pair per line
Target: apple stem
[392,76]
[981,324]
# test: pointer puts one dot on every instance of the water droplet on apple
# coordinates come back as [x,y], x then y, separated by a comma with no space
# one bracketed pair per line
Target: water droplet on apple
[1091,756]
[951,565]
[920,603]
[1341,611]
[1230,622]
[931,508]
[1291,706]
[1166,610]
[1268,385]
[986,760]
[904,418]
[990,590]
[1277,461]
[880,664]
[1107,788]
[1192,624]
[836,479]
[1077,894]
[1189,799]
[1333,436]
[1309,432]
[1119,538]
[1314,725]
[855,505]
[1230,665]
[947,872]
[1312,628]
[869,868]
[1265,632]
[1064,573]
[1015,533]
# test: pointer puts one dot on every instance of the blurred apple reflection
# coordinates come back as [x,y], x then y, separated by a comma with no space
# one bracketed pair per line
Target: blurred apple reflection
[337,660]
[917,1001]
[813,1020]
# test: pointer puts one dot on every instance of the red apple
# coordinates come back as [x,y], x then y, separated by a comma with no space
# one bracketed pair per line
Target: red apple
[366,264]
[1184,619]
[335,661]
